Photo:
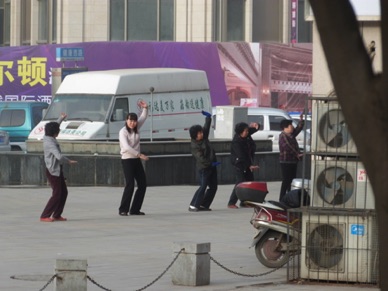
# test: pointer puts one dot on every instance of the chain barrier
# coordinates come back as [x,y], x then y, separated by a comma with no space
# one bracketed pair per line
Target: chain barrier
[98,285]
[148,285]
[48,283]
[241,274]
[164,272]
[168,267]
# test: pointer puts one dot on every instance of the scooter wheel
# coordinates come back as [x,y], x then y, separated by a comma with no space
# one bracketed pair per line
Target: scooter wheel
[268,250]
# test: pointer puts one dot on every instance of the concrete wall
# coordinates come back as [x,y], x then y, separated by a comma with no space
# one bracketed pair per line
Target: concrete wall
[322,83]
[169,164]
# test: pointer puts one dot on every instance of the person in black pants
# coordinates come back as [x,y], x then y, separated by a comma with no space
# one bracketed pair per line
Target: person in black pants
[206,163]
[242,155]
[289,153]
[131,161]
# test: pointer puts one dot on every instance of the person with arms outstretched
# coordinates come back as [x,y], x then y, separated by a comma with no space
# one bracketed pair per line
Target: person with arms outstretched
[131,161]
[206,163]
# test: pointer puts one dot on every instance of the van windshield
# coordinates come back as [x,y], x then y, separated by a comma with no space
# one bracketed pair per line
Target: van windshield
[79,107]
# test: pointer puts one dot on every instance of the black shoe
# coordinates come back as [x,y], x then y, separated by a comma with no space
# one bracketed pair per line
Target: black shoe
[202,208]
[123,213]
[137,213]
[193,209]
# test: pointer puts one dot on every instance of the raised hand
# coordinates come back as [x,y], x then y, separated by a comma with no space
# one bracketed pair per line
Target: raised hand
[207,114]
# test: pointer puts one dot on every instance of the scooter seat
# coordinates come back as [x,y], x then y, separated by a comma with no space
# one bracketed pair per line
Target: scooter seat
[279,204]
[267,204]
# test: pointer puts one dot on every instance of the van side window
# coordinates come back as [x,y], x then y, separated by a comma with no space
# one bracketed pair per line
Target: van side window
[274,122]
[12,117]
[120,109]
[36,115]
[258,119]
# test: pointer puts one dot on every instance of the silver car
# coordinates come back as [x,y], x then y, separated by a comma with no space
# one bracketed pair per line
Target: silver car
[269,120]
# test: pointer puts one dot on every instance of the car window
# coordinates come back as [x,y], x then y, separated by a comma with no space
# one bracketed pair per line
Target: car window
[307,123]
[12,117]
[120,109]
[36,115]
[258,119]
[274,122]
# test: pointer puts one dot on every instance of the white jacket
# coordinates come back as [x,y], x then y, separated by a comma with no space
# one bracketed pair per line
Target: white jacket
[130,142]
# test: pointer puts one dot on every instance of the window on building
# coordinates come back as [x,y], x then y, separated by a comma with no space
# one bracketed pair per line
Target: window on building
[267,20]
[53,21]
[43,18]
[47,21]
[218,8]
[142,20]
[229,20]
[235,20]
[117,19]
[25,22]
[166,20]
[5,22]
[305,28]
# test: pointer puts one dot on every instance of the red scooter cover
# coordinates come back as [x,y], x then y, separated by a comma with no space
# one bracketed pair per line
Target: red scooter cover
[252,191]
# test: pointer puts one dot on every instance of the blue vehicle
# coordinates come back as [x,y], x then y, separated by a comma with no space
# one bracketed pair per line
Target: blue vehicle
[4,141]
[18,119]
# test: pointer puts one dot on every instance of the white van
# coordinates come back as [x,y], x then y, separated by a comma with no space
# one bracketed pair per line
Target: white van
[97,103]
[269,120]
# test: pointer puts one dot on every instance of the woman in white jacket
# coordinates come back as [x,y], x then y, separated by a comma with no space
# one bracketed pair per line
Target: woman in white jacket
[131,160]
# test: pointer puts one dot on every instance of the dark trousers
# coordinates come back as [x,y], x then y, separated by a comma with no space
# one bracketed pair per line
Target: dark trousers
[207,180]
[241,176]
[288,174]
[57,201]
[133,171]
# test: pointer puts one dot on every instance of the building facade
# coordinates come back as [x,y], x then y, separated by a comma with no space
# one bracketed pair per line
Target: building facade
[34,22]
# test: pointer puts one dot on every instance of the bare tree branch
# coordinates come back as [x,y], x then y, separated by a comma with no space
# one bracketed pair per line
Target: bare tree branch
[356,85]
[363,97]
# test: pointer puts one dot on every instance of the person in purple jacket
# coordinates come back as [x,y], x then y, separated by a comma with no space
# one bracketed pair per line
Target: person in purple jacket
[289,153]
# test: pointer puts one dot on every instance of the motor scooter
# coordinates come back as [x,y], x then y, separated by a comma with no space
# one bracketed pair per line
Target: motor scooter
[277,231]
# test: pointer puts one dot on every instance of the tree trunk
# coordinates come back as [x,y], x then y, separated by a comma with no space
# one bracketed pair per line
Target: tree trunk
[362,95]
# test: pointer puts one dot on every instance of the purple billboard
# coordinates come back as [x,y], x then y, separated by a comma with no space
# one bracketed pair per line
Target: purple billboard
[238,73]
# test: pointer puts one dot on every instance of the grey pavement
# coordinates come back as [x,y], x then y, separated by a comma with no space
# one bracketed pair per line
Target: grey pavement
[128,253]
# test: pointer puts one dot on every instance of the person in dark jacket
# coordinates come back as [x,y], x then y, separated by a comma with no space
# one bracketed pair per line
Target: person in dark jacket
[206,163]
[242,155]
[289,153]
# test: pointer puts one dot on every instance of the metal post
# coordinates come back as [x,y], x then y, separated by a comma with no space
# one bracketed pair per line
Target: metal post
[192,267]
[152,111]
[70,275]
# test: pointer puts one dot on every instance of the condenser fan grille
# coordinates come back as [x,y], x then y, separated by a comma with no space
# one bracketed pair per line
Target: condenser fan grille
[325,246]
[335,185]
[333,129]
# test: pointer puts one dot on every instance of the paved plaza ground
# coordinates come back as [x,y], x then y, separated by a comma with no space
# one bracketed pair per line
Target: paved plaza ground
[127,253]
